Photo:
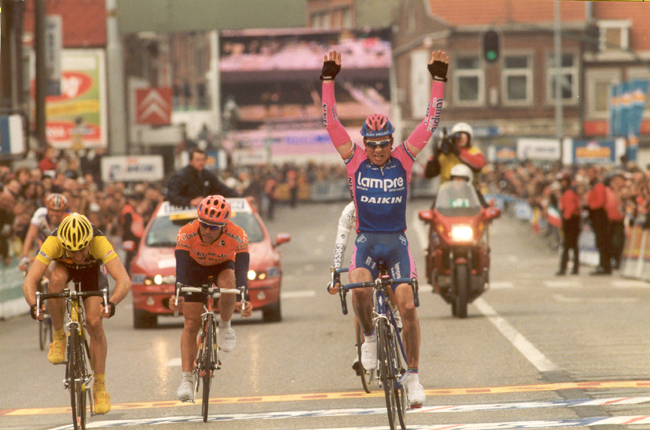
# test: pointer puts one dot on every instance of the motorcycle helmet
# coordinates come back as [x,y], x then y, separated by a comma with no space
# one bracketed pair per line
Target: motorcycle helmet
[214,210]
[461,171]
[377,125]
[463,127]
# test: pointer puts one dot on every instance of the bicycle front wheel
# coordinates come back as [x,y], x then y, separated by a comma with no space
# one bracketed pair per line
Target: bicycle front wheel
[42,333]
[76,380]
[367,376]
[206,373]
[386,371]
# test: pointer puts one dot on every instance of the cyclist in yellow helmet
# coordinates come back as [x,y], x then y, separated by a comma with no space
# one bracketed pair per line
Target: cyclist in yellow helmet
[79,251]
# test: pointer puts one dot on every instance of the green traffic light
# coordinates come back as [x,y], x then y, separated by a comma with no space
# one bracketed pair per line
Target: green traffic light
[491,55]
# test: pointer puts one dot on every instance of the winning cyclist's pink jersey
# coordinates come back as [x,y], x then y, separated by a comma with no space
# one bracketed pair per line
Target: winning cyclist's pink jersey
[379,193]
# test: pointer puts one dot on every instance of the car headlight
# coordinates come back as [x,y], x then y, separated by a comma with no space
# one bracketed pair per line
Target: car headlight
[461,233]
[268,273]
[160,279]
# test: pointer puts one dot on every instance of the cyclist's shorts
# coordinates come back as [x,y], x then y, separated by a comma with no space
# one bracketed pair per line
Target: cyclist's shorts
[92,277]
[392,248]
[197,275]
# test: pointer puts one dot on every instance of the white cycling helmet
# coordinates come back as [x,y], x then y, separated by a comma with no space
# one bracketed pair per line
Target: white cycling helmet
[463,127]
[461,171]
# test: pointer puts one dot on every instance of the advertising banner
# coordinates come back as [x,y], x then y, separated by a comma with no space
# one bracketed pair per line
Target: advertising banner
[594,151]
[141,168]
[538,149]
[77,117]
[12,135]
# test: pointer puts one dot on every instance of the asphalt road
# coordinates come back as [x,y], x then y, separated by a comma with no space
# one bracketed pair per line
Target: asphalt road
[535,351]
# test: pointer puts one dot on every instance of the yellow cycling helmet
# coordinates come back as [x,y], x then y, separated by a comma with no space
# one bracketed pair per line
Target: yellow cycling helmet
[75,232]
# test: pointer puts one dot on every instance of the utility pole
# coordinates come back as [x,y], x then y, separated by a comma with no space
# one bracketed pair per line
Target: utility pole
[41,77]
[11,55]
[557,38]
[115,78]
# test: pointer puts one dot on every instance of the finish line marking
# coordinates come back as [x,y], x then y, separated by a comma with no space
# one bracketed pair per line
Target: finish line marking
[590,421]
[346,395]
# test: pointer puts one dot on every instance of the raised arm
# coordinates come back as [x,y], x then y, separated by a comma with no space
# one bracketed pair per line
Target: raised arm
[438,66]
[340,137]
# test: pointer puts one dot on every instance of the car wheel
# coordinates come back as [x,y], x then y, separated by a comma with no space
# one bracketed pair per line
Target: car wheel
[272,313]
[143,319]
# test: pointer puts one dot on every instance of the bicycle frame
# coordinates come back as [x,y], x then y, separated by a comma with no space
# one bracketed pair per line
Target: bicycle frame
[79,374]
[391,370]
[207,357]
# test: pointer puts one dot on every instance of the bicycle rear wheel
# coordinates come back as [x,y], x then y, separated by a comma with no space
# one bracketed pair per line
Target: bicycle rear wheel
[206,373]
[386,373]
[367,376]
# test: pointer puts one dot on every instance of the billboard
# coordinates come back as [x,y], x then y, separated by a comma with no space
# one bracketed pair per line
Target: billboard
[77,118]
[271,91]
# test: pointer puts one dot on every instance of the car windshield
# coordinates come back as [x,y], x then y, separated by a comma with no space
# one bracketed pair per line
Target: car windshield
[163,230]
[457,198]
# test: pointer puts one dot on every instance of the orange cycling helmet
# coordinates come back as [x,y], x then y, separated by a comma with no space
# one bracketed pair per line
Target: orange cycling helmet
[214,210]
[56,202]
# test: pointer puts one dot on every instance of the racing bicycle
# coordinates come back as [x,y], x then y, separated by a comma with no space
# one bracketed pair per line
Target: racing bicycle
[391,356]
[207,357]
[45,329]
[79,375]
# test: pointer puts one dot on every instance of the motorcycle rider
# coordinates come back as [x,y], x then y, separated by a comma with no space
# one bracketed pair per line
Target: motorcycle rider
[453,150]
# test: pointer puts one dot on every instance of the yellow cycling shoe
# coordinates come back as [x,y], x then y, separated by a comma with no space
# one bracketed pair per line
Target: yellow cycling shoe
[57,351]
[102,400]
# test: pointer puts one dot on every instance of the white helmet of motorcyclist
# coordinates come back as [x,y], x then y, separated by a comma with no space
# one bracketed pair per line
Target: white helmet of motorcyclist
[463,127]
[461,171]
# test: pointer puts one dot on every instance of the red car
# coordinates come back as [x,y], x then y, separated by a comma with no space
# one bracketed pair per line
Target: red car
[154,267]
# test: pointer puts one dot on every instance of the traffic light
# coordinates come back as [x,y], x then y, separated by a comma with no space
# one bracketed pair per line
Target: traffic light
[491,46]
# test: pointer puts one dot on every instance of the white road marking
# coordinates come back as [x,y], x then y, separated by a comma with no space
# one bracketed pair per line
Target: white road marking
[298,294]
[437,409]
[528,350]
[501,285]
[174,362]
[630,283]
[563,284]
[564,299]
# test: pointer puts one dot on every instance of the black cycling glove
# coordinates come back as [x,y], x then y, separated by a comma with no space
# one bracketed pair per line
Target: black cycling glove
[330,70]
[438,70]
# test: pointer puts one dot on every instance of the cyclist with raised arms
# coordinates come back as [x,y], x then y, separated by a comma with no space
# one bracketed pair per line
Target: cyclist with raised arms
[43,222]
[211,246]
[79,251]
[378,176]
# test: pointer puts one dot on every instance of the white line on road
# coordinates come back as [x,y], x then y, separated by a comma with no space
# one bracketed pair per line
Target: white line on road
[528,350]
[298,294]
[563,284]
[501,285]
[564,299]
[629,283]
[437,409]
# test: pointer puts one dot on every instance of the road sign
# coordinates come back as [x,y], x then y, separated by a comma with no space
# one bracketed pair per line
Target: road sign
[153,106]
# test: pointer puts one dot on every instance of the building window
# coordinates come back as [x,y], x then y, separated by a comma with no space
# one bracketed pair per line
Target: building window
[469,82]
[614,35]
[568,78]
[517,80]
[597,87]
[320,20]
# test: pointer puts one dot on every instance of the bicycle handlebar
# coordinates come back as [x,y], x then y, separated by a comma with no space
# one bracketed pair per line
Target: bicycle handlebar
[69,294]
[413,282]
[212,290]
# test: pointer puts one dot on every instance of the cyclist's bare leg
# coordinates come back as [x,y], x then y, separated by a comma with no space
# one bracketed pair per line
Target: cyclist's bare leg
[58,279]
[95,328]
[410,324]
[226,301]
[192,313]
[362,298]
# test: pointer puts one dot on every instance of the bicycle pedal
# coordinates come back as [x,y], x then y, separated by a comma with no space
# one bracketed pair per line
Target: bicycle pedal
[415,406]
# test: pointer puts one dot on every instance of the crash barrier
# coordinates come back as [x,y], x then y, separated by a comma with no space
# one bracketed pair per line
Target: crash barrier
[635,262]
[12,301]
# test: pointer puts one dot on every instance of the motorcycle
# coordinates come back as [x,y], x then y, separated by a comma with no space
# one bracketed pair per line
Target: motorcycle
[458,255]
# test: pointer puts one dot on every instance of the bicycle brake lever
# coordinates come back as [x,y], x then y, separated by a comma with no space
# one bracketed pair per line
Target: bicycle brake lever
[38,304]
[416,293]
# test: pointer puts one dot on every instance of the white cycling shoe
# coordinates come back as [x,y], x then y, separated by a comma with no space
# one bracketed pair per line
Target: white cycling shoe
[369,354]
[415,392]
[185,392]
[227,339]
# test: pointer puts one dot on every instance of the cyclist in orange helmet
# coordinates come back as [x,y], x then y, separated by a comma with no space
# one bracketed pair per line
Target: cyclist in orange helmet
[211,246]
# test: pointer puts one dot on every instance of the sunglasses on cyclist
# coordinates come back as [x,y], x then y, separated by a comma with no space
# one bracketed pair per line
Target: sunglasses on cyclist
[382,144]
[210,226]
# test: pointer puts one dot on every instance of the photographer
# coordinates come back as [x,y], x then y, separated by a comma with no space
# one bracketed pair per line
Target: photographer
[455,149]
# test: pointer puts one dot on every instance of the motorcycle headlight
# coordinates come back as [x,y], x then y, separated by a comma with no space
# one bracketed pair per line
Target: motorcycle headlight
[461,233]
